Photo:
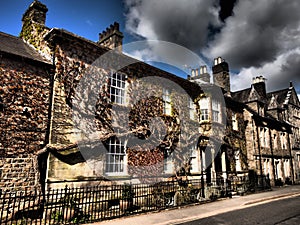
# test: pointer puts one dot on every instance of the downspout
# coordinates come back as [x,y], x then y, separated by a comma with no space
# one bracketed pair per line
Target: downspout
[50,117]
[291,158]
[272,153]
[51,106]
[259,151]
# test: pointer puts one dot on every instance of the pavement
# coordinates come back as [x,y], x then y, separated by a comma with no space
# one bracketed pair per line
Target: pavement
[189,213]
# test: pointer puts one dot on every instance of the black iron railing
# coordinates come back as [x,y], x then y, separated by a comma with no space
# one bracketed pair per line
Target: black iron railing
[90,204]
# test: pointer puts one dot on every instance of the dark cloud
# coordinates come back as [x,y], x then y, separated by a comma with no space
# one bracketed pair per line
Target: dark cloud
[226,9]
[182,22]
[258,32]
[256,37]
[290,71]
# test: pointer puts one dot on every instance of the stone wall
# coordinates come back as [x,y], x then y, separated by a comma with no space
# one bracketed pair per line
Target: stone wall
[18,173]
[24,95]
[74,59]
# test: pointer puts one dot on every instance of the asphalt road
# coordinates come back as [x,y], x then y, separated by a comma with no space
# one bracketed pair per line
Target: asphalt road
[280,212]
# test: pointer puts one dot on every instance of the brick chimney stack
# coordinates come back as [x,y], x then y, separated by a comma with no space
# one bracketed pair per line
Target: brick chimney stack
[259,83]
[112,37]
[221,75]
[35,13]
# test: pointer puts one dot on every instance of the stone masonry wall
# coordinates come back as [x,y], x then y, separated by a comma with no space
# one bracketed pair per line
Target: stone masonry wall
[24,97]
[18,173]
[73,60]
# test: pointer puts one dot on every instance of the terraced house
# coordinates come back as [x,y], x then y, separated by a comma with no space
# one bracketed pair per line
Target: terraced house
[144,124]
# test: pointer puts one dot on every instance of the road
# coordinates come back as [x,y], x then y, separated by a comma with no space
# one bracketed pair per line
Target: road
[279,212]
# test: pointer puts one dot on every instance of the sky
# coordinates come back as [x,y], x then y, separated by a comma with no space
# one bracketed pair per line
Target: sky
[256,37]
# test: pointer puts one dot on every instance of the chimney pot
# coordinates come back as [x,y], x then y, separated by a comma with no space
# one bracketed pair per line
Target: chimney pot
[215,61]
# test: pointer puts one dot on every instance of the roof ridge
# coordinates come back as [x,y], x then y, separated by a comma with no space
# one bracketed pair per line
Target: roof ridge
[10,35]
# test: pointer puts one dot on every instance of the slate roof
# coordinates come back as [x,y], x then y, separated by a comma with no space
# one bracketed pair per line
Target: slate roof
[16,46]
[280,95]
[191,88]
[241,96]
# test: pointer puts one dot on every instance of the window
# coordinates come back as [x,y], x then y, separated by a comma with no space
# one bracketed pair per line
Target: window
[267,139]
[115,156]
[168,164]
[166,101]
[275,145]
[283,140]
[266,166]
[261,137]
[204,114]
[192,112]
[204,102]
[238,166]
[193,160]
[216,111]
[234,122]
[117,88]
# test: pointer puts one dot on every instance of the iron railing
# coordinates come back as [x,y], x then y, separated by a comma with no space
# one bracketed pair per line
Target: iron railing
[97,203]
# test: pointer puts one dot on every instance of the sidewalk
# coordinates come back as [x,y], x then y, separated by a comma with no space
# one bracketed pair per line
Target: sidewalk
[188,213]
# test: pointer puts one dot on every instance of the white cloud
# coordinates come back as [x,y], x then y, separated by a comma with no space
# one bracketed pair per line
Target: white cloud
[258,33]
[88,22]
[261,38]
[181,22]
[278,73]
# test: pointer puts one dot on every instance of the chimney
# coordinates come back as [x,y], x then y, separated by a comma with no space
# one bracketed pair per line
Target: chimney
[204,75]
[35,13]
[260,85]
[221,75]
[112,37]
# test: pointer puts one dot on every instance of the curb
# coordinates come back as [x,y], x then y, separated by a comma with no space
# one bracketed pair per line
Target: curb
[272,198]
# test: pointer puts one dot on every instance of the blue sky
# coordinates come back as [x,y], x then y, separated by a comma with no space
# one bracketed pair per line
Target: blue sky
[263,44]
[86,18]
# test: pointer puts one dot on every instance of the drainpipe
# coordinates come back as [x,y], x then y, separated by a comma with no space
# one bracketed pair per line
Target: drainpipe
[202,179]
[259,151]
[291,158]
[272,153]
[50,114]
[51,106]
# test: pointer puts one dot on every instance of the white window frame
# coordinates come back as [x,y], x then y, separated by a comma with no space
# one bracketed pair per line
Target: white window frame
[166,97]
[117,88]
[216,109]
[204,109]
[192,111]
[116,157]
[194,160]
[168,164]
[275,141]
[235,125]
[283,140]
[204,115]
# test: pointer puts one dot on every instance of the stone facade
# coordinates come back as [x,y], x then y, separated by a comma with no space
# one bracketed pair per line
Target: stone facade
[24,96]
[49,129]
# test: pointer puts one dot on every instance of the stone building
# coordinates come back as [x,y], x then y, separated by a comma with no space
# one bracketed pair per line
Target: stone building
[74,112]
[24,105]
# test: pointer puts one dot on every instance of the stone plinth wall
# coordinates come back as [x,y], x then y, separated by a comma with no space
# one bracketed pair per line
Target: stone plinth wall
[18,173]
